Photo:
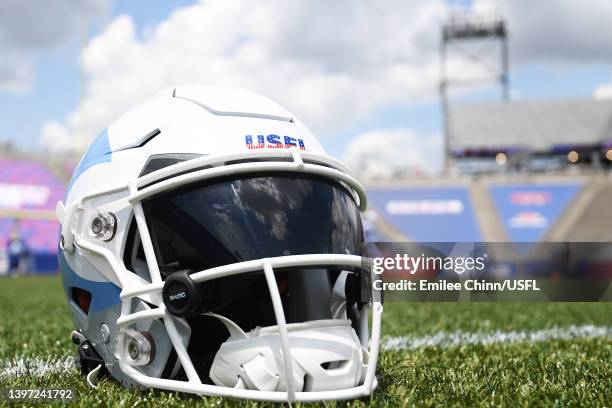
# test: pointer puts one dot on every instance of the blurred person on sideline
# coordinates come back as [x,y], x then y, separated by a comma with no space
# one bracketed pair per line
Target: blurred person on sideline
[18,254]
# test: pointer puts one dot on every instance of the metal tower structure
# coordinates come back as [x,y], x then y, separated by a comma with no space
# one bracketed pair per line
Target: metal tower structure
[461,29]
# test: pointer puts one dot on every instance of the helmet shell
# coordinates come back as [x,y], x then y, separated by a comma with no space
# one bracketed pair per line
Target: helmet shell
[179,124]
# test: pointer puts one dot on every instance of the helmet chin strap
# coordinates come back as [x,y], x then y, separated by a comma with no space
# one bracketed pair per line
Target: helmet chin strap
[234,330]
[338,298]
[92,377]
[255,375]
[251,361]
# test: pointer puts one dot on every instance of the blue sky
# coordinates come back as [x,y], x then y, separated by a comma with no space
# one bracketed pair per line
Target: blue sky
[565,72]
[56,88]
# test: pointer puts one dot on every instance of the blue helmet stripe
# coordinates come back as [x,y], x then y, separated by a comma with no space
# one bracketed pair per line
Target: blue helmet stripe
[98,152]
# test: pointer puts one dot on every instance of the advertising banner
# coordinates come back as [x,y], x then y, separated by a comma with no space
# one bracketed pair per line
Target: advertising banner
[428,214]
[528,211]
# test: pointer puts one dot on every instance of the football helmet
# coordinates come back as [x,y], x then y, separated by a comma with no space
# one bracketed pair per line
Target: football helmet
[209,245]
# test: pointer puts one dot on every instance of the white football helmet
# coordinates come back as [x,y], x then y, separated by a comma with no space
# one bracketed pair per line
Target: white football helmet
[209,245]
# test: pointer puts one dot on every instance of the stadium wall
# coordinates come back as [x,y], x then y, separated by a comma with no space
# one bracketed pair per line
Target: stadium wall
[29,232]
[494,208]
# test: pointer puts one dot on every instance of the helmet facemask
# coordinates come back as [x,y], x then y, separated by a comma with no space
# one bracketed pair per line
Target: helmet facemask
[265,269]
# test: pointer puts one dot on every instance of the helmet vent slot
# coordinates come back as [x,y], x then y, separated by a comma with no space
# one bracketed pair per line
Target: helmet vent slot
[133,255]
[334,365]
[159,161]
[82,299]
[141,141]
[307,383]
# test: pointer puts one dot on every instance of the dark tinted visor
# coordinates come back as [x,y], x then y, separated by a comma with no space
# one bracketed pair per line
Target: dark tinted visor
[205,225]
[202,226]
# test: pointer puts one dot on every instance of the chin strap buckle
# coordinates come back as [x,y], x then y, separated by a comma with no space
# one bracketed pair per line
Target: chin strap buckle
[257,376]
[92,365]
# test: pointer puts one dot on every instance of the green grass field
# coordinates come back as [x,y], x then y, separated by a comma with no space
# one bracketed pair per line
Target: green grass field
[34,321]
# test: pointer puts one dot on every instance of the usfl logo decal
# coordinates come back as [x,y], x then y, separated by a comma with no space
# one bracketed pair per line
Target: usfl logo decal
[273,142]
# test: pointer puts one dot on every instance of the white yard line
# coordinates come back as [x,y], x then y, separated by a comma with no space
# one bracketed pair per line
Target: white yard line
[36,366]
[40,367]
[461,338]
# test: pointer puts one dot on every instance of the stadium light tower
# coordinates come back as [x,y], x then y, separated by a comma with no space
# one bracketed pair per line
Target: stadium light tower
[462,28]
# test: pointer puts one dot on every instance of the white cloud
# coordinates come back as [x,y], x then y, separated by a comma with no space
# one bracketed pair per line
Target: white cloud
[556,31]
[329,63]
[384,152]
[30,26]
[603,91]
[55,138]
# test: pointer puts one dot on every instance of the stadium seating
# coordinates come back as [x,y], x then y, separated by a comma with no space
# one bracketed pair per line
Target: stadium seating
[540,125]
